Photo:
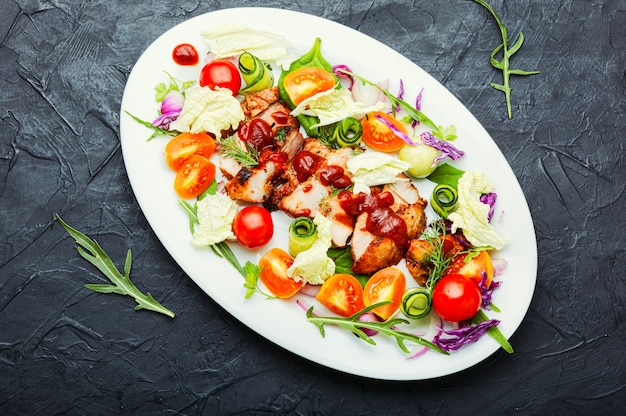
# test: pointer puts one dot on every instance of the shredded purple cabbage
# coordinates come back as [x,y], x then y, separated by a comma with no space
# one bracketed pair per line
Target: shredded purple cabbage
[343,74]
[462,336]
[395,130]
[447,149]
[400,94]
[487,292]
[418,106]
[489,199]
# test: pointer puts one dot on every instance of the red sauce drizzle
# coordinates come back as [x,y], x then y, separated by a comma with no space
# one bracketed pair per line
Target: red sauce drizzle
[335,176]
[258,134]
[306,163]
[280,117]
[381,220]
[185,54]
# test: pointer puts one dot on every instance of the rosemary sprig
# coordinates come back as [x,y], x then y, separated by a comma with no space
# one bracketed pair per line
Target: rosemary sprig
[248,157]
[388,327]
[436,257]
[91,251]
[504,64]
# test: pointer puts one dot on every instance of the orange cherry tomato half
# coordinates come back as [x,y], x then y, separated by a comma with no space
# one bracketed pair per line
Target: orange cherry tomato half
[474,268]
[303,83]
[253,226]
[456,298]
[274,265]
[183,146]
[194,177]
[221,73]
[378,135]
[341,294]
[387,284]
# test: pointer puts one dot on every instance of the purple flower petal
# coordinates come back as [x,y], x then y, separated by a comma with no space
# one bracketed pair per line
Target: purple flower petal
[447,149]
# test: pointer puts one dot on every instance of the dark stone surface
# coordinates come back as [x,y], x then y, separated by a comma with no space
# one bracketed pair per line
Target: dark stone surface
[67,350]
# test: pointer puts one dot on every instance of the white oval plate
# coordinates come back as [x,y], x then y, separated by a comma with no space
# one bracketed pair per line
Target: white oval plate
[283,322]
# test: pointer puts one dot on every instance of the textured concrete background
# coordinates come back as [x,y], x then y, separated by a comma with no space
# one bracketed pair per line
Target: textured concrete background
[67,350]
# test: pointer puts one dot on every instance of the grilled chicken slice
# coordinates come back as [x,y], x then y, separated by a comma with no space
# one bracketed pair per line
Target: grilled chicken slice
[252,185]
[342,224]
[370,252]
[305,199]
[417,260]
[255,103]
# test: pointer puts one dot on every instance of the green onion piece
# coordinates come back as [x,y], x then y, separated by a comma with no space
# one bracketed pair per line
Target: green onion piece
[444,199]
[302,234]
[416,303]
[348,132]
[256,74]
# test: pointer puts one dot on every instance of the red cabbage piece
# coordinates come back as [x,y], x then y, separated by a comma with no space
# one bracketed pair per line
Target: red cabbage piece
[395,130]
[343,74]
[489,199]
[487,292]
[447,149]
[460,337]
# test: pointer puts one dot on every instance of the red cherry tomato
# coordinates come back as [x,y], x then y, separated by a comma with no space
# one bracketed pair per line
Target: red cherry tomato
[456,298]
[342,294]
[253,226]
[274,265]
[183,146]
[378,135]
[194,176]
[221,73]
[303,83]
[473,268]
[387,284]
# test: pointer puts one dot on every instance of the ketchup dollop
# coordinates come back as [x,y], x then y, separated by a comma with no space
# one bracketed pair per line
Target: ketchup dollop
[185,54]
[381,221]
[305,164]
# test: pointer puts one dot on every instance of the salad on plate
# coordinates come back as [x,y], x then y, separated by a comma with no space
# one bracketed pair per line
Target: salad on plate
[263,131]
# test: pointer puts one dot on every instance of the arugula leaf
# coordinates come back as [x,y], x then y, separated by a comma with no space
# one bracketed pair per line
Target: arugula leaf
[493,331]
[353,324]
[507,53]
[446,174]
[156,131]
[91,251]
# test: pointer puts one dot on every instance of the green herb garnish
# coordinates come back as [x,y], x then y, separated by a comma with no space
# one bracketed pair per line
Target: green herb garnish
[493,331]
[353,324]
[248,157]
[504,64]
[156,131]
[91,251]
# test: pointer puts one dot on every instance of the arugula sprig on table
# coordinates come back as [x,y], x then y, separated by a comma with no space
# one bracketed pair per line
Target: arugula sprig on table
[504,64]
[91,251]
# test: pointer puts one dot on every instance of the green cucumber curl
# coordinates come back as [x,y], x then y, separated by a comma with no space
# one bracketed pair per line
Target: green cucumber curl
[302,235]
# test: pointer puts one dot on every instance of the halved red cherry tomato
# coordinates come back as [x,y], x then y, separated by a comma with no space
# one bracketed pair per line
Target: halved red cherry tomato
[456,298]
[387,284]
[274,265]
[378,135]
[303,83]
[183,146]
[194,176]
[221,73]
[341,294]
[253,226]
[473,268]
